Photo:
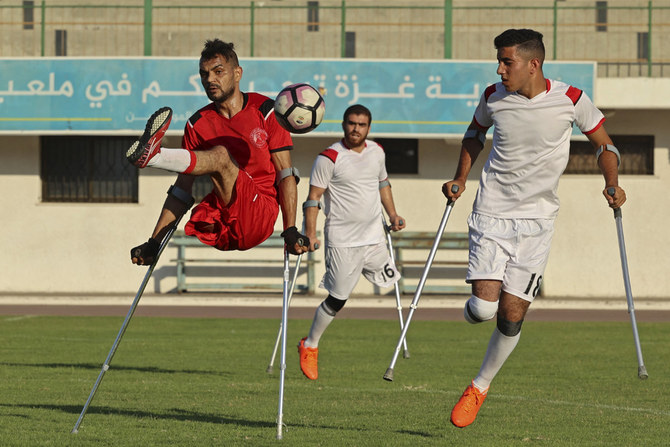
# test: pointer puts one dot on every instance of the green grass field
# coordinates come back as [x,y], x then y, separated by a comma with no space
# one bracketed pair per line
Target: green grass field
[202,382]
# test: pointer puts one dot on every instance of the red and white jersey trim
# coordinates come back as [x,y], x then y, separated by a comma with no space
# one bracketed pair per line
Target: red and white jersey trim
[531,147]
[352,203]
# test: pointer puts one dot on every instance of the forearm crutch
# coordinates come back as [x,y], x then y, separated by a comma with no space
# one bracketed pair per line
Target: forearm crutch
[281,325]
[641,369]
[112,351]
[284,319]
[412,307]
[387,230]
[282,366]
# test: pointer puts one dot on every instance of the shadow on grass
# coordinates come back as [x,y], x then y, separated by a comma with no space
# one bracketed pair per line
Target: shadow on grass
[174,414]
[180,415]
[415,433]
[98,366]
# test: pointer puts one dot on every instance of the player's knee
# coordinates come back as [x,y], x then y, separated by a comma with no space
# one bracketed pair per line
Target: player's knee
[509,328]
[478,310]
[332,305]
[223,158]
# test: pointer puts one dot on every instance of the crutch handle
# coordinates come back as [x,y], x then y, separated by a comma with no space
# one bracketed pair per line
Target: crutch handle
[389,226]
[454,190]
[617,211]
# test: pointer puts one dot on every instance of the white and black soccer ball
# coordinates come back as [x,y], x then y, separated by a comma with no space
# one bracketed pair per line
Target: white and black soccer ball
[299,108]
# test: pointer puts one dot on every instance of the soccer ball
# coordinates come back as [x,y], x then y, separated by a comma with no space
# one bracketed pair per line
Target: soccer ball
[299,108]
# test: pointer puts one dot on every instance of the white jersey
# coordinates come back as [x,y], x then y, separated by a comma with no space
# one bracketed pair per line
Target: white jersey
[531,147]
[352,203]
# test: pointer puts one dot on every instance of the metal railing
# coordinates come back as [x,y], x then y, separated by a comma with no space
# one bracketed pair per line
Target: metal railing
[627,38]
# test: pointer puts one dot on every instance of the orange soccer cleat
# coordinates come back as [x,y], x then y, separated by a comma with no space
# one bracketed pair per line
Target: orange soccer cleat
[308,360]
[465,410]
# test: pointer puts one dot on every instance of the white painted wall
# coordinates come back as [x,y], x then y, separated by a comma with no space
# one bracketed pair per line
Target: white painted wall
[84,248]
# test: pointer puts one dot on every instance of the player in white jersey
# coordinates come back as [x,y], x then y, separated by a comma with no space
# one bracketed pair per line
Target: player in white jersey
[511,225]
[351,177]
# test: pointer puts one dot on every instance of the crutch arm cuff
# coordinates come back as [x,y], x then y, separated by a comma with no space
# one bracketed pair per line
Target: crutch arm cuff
[181,195]
[610,148]
[281,175]
[311,203]
[476,134]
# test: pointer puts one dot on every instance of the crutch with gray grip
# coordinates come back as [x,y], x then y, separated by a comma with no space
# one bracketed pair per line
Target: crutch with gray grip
[387,230]
[443,223]
[284,319]
[282,365]
[122,331]
[641,369]
[290,295]
[281,325]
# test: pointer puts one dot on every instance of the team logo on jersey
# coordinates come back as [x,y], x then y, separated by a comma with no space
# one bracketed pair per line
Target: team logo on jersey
[258,137]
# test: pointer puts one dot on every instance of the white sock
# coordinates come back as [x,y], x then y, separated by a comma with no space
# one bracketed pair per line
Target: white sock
[321,321]
[499,349]
[174,160]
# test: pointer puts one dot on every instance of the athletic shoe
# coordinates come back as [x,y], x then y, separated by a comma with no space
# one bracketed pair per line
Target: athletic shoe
[465,410]
[149,143]
[308,360]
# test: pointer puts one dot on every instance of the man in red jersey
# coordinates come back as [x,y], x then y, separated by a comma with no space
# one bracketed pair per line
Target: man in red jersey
[237,141]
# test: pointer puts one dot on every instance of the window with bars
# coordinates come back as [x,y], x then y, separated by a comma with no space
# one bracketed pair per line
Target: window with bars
[637,156]
[87,169]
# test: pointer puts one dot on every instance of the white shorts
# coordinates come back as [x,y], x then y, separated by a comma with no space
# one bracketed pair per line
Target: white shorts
[344,266]
[514,251]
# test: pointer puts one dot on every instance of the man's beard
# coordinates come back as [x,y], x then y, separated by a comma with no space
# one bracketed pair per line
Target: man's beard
[220,96]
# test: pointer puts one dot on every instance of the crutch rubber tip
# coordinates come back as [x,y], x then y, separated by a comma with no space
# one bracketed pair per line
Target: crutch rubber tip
[389,375]
[74,431]
[269,370]
[405,354]
[642,372]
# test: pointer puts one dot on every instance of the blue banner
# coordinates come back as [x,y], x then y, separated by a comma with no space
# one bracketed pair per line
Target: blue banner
[407,98]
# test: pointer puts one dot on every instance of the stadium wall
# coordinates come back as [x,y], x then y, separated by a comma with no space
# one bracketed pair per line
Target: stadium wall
[73,248]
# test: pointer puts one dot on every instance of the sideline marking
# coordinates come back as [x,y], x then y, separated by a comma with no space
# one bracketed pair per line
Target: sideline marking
[19,318]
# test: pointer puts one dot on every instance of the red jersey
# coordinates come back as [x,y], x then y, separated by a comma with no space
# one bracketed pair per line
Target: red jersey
[250,137]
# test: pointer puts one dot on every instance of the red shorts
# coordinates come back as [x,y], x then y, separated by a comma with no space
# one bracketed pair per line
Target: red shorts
[244,223]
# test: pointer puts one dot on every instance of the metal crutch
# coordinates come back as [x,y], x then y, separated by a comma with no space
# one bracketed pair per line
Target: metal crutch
[136,301]
[641,369]
[284,319]
[450,204]
[281,325]
[282,366]
[387,230]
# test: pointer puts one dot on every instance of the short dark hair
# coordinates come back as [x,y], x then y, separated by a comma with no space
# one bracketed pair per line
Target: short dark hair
[528,41]
[357,109]
[218,47]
